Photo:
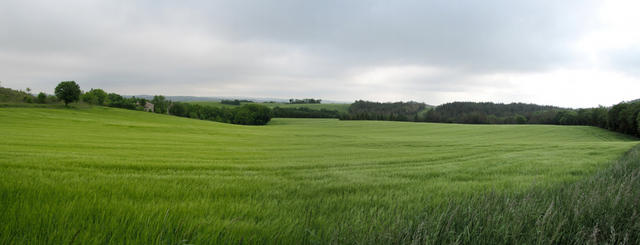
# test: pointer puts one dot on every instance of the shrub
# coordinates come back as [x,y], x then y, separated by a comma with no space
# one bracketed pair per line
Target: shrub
[252,114]
[42,98]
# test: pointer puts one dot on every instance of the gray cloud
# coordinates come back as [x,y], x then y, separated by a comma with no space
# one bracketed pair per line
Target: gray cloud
[475,34]
[423,50]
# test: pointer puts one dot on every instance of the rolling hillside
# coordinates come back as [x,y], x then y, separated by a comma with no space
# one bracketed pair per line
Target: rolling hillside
[106,175]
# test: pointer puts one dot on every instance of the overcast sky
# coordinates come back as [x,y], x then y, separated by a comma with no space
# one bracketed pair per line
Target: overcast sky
[568,53]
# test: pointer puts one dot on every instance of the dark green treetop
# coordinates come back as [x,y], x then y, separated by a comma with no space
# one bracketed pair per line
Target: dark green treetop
[68,91]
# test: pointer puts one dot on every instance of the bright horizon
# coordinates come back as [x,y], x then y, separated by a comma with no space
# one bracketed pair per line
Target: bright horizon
[569,54]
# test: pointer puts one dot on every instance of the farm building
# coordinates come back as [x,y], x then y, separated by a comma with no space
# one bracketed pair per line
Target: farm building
[148,107]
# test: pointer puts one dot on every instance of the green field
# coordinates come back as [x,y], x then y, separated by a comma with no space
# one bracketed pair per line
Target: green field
[337,107]
[105,175]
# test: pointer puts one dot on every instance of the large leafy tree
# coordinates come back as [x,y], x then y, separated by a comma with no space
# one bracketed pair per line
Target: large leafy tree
[68,91]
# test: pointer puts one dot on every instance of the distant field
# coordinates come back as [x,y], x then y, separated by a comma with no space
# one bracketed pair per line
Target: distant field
[337,107]
[105,175]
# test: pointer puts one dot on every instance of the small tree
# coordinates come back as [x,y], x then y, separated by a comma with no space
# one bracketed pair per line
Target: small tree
[42,98]
[68,91]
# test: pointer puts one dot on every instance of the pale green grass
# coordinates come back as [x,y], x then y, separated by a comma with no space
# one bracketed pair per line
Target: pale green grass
[106,175]
[343,108]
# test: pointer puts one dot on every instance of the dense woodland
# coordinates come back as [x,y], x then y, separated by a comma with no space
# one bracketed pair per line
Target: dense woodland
[304,112]
[249,114]
[397,111]
[623,117]
[491,113]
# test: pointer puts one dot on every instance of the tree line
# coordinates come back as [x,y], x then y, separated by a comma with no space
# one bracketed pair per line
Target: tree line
[304,112]
[249,114]
[235,102]
[397,111]
[623,117]
[69,92]
[494,113]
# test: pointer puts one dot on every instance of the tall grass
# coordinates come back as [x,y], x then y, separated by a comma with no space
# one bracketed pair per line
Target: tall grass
[601,209]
